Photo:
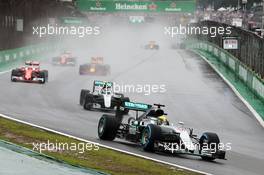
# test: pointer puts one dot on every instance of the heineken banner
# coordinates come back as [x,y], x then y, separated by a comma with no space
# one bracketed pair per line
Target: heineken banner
[185,6]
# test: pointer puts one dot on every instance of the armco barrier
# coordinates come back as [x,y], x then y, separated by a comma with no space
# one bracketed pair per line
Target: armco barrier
[244,73]
[251,46]
[24,53]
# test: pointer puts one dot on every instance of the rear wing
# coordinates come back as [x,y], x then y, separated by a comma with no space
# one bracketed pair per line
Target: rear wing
[136,106]
[131,106]
[32,63]
[97,60]
[98,85]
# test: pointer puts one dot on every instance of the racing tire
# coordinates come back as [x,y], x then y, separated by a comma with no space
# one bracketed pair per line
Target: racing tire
[14,73]
[212,140]
[82,96]
[42,75]
[88,102]
[107,127]
[80,70]
[46,75]
[55,60]
[74,62]
[149,135]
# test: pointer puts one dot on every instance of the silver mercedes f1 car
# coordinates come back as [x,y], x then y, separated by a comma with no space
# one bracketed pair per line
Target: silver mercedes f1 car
[153,132]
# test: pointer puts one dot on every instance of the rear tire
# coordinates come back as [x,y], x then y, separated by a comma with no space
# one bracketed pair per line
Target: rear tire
[14,73]
[211,140]
[149,135]
[88,102]
[46,75]
[80,70]
[82,96]
[42,75]
[107,127]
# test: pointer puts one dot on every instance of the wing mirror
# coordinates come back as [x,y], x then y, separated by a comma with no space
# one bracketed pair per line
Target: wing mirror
[181,123]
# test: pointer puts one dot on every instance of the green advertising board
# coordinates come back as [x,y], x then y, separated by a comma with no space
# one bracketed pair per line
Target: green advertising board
[184,6]
[71,20]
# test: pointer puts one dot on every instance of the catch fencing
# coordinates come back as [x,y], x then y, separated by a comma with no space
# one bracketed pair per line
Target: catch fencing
[8,57]
[251,46]
[249,77]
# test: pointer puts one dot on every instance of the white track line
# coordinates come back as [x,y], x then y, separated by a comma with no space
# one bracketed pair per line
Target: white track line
[254,112]
[104,146]
[3,72]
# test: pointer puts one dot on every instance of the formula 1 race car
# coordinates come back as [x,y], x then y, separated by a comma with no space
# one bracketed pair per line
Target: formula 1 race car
[65,59]
[153,132]
[96,67]
[152,45]
[102,97]
[30,73]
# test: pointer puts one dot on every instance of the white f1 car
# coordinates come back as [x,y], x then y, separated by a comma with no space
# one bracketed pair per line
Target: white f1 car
[102,97]
[153,132]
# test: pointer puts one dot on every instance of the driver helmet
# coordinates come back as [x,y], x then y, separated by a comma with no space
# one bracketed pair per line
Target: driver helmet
[162,120]
[159,112]
[104,88]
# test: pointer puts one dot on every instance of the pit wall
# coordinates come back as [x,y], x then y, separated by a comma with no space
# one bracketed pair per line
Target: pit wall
[246,82]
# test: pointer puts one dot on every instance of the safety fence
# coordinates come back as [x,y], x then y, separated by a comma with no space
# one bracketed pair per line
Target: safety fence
[251,46]
[32,52]
[252,80]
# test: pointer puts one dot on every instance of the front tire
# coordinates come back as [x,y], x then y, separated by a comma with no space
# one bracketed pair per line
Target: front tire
[149,135]
[46,73]
[107,127]
[212,141]
[13,73]
[43,76]
[88,102]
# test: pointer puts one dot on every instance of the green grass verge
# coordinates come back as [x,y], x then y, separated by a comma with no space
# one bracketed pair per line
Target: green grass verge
[103,160]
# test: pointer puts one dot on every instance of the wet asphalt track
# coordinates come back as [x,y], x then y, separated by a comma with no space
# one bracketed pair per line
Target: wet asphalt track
[195,94]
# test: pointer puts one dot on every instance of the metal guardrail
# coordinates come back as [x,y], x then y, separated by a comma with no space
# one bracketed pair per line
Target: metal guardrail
[249,77]
[251,51]
[23,53]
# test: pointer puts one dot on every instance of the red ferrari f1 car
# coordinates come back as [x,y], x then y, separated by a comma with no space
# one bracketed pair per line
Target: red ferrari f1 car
[65,59]
[30,73]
